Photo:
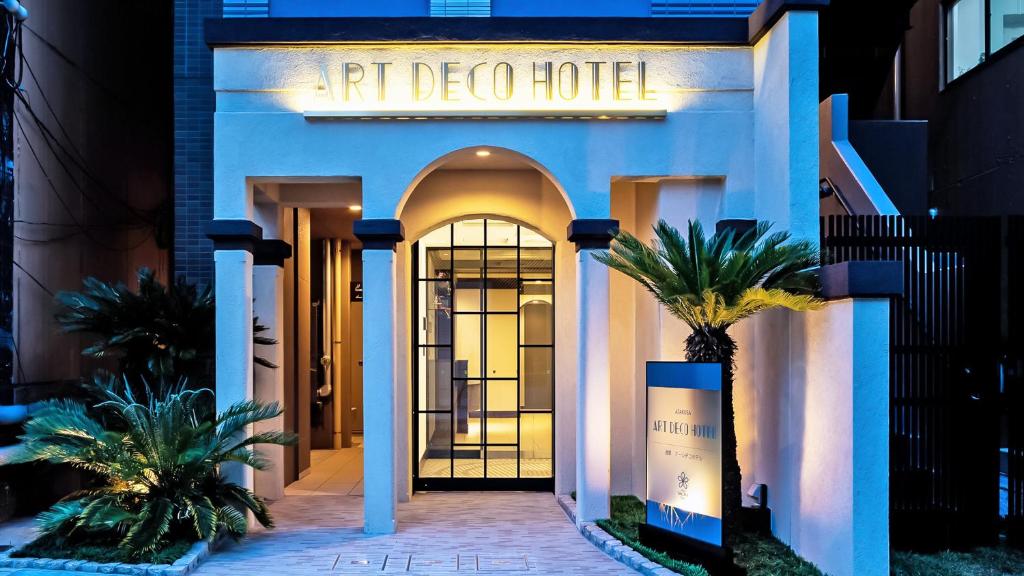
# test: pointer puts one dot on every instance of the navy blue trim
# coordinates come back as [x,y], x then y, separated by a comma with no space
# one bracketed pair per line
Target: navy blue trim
[691,375]
[379,234]
[592,233]
[739,226]
[234,234]
[862,279]
[236,31]
[770,11]
[272,253]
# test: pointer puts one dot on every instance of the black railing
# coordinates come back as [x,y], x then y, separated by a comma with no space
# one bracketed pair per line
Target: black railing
[948,350]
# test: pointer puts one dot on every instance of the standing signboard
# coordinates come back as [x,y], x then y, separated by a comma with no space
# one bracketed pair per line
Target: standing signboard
[684,450]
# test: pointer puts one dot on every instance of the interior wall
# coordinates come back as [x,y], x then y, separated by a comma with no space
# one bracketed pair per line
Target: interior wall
[303,385]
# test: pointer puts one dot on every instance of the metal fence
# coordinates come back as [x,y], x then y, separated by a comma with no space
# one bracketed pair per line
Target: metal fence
[955,361]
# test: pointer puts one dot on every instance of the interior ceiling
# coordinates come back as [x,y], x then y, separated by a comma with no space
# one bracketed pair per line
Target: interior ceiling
[332,223]
[498,159]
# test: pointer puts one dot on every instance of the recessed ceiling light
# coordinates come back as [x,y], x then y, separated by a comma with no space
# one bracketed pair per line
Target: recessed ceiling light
[483,153]
[355,208]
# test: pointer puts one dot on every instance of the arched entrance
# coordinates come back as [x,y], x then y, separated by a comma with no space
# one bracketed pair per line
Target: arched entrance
[483,374]
[490,285]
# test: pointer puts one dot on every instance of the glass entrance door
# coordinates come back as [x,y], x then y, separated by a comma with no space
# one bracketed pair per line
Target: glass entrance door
[483,398]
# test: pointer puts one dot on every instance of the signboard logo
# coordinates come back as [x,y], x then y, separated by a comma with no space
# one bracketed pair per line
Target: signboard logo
[684,483]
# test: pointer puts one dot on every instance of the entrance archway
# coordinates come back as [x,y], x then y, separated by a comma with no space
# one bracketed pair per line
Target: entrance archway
[486,264]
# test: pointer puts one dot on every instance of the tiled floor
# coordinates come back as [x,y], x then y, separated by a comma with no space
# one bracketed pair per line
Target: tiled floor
[319,532]
[332,473]
[438,533]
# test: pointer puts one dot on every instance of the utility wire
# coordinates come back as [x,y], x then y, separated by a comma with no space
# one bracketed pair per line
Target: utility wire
[77,158]
[50,139]
[56,192]
[34,279]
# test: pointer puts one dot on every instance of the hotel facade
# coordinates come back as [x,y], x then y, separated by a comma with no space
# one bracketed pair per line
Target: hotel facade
[409,198]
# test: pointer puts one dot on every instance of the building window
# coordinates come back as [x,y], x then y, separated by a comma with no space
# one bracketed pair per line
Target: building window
[460,7]
[695,8]
[977,28]
[1007,22]
[246,8]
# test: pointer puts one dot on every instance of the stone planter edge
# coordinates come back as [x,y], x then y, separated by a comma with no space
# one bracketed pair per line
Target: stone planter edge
[611,545]
[182,566]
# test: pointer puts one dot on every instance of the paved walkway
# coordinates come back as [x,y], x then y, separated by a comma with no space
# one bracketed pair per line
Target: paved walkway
[439,533]
[319,532]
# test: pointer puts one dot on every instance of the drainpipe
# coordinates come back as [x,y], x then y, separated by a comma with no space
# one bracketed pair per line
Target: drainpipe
[12,19]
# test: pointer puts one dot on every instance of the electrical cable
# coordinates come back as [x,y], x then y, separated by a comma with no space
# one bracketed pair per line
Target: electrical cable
[56,192]
[50,139]
[34,279]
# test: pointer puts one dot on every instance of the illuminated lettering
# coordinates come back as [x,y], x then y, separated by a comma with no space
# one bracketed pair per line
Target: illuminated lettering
[573,83]
[448,80]
[471,81]
[503,70]
[417,86]
[619,80]
[382,84]
[595,80]
[347,80]
[544,80]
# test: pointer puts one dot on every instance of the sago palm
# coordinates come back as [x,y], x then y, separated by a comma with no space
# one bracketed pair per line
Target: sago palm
[711,283]
[157,333]
[158,468]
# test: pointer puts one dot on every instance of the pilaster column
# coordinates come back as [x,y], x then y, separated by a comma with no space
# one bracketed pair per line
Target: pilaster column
[268,308]
[234,244]
[593,386]
[379,501]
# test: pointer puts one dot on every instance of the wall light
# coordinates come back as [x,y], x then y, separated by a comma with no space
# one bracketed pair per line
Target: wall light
[483,153]
[355,208]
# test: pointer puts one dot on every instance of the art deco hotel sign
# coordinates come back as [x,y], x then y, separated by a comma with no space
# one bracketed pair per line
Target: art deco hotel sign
[473,84]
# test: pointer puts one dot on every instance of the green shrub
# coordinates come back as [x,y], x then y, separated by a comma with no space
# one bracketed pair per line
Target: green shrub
[158,462]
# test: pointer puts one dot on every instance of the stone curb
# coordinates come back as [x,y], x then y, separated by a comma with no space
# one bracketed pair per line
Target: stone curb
[182,566]
[611,545]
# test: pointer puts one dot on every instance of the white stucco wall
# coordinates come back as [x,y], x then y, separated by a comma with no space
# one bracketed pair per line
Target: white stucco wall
[823,436]
[261,131]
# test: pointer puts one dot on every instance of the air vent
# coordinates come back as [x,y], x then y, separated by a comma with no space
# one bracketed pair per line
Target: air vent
[246,8]
[460,7]
[695,8]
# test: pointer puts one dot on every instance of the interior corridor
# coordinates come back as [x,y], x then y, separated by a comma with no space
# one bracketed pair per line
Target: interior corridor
[332,473]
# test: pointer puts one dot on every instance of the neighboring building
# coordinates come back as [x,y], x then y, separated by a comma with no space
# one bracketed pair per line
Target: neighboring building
[936,112]
[92,168]
[457,172]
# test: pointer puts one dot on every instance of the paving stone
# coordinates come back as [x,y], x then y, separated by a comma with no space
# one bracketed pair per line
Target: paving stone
[441,533]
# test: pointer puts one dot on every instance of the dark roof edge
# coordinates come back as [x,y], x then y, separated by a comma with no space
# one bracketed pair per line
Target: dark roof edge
[279,31]
[770,11]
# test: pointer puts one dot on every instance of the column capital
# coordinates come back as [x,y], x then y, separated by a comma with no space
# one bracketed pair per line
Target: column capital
[862,279]
[379,234]
[272,252]
[592,233]
[739,226]
[234,234]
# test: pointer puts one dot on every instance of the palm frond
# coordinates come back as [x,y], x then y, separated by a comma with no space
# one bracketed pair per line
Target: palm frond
[716,281]
[159,466]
